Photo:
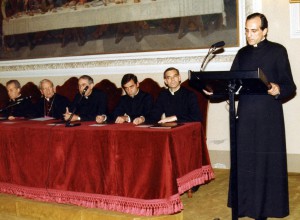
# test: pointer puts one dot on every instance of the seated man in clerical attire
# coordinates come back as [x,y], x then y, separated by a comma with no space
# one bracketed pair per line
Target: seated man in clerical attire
[176,103]
[51,104]
[89,104]
[135,106]
[18,105]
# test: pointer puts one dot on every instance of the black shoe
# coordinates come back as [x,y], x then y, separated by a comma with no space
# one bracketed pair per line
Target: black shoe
[195,188]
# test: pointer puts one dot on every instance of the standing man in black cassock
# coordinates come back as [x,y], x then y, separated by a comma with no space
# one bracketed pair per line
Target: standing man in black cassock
[175,103]
[89,104]
[261,148]
[135,106]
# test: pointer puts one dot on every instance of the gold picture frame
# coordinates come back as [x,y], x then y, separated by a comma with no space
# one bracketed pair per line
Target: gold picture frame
[294,1]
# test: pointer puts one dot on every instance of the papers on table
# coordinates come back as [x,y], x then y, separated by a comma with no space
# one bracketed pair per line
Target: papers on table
[143,126]
[97,125]
[42,119]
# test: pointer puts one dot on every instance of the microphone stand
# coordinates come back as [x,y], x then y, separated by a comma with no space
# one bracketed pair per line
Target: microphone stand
[210,51]
[215,47]
[17,102]
[9,106]
[68,123]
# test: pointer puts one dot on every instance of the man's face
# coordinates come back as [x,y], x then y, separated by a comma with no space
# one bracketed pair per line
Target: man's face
[131,88]
[172,79]
[253,33]
[47,90]
[13,92]
[82,83]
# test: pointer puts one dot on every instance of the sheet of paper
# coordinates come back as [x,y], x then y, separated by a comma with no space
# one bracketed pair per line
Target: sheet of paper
[143,126]
[42,119]
[55,124]
[98,125]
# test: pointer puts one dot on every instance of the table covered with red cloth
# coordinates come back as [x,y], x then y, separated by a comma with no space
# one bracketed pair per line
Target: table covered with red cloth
[120,167]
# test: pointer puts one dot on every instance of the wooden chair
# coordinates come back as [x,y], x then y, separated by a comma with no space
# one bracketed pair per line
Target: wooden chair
[30,89]
[150,86]
[202,101]
[3,96]
[203,105]
[69,88]
[113,93]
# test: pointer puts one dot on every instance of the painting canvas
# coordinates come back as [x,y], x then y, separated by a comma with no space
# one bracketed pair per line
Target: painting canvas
[75,28]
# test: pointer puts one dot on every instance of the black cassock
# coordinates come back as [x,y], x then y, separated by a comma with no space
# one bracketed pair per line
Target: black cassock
[261,147]
[183,103]
[55,107]
[139,105]
[91,106]
[20,107]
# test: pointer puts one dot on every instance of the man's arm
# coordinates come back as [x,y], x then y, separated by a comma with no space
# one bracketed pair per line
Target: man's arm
[193,110]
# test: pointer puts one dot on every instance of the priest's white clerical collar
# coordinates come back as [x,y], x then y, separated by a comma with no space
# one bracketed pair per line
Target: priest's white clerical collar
[173,92]
[48,99]
[256,45]
[17,97]
[132,96]
[86,96]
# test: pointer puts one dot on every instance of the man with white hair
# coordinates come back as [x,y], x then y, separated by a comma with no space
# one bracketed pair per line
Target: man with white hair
[51,104]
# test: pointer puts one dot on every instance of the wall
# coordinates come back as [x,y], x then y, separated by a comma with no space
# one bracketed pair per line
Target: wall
[279,15]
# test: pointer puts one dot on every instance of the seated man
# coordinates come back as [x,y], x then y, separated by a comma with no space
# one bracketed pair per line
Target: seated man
[51,104]
[88,103]
[135,106]
[18,105]
[175,103]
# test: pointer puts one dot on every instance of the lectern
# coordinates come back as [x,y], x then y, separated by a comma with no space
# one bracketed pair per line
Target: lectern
[230,84]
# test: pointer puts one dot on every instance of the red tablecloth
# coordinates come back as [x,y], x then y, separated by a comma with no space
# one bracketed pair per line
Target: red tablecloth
[123,168]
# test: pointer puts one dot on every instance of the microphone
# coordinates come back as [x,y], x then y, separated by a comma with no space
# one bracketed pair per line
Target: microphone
[84,90]
[212,49]
[16,102]
[218,44]
[23,98]
[68,122]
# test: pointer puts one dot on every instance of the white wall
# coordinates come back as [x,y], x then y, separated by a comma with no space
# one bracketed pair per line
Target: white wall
[279,30]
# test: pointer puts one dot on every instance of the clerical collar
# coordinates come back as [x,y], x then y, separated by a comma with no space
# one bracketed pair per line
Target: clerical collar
[260,43]
[87,96]
[49,99]
[173,92]
[132,96]
[17,98]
